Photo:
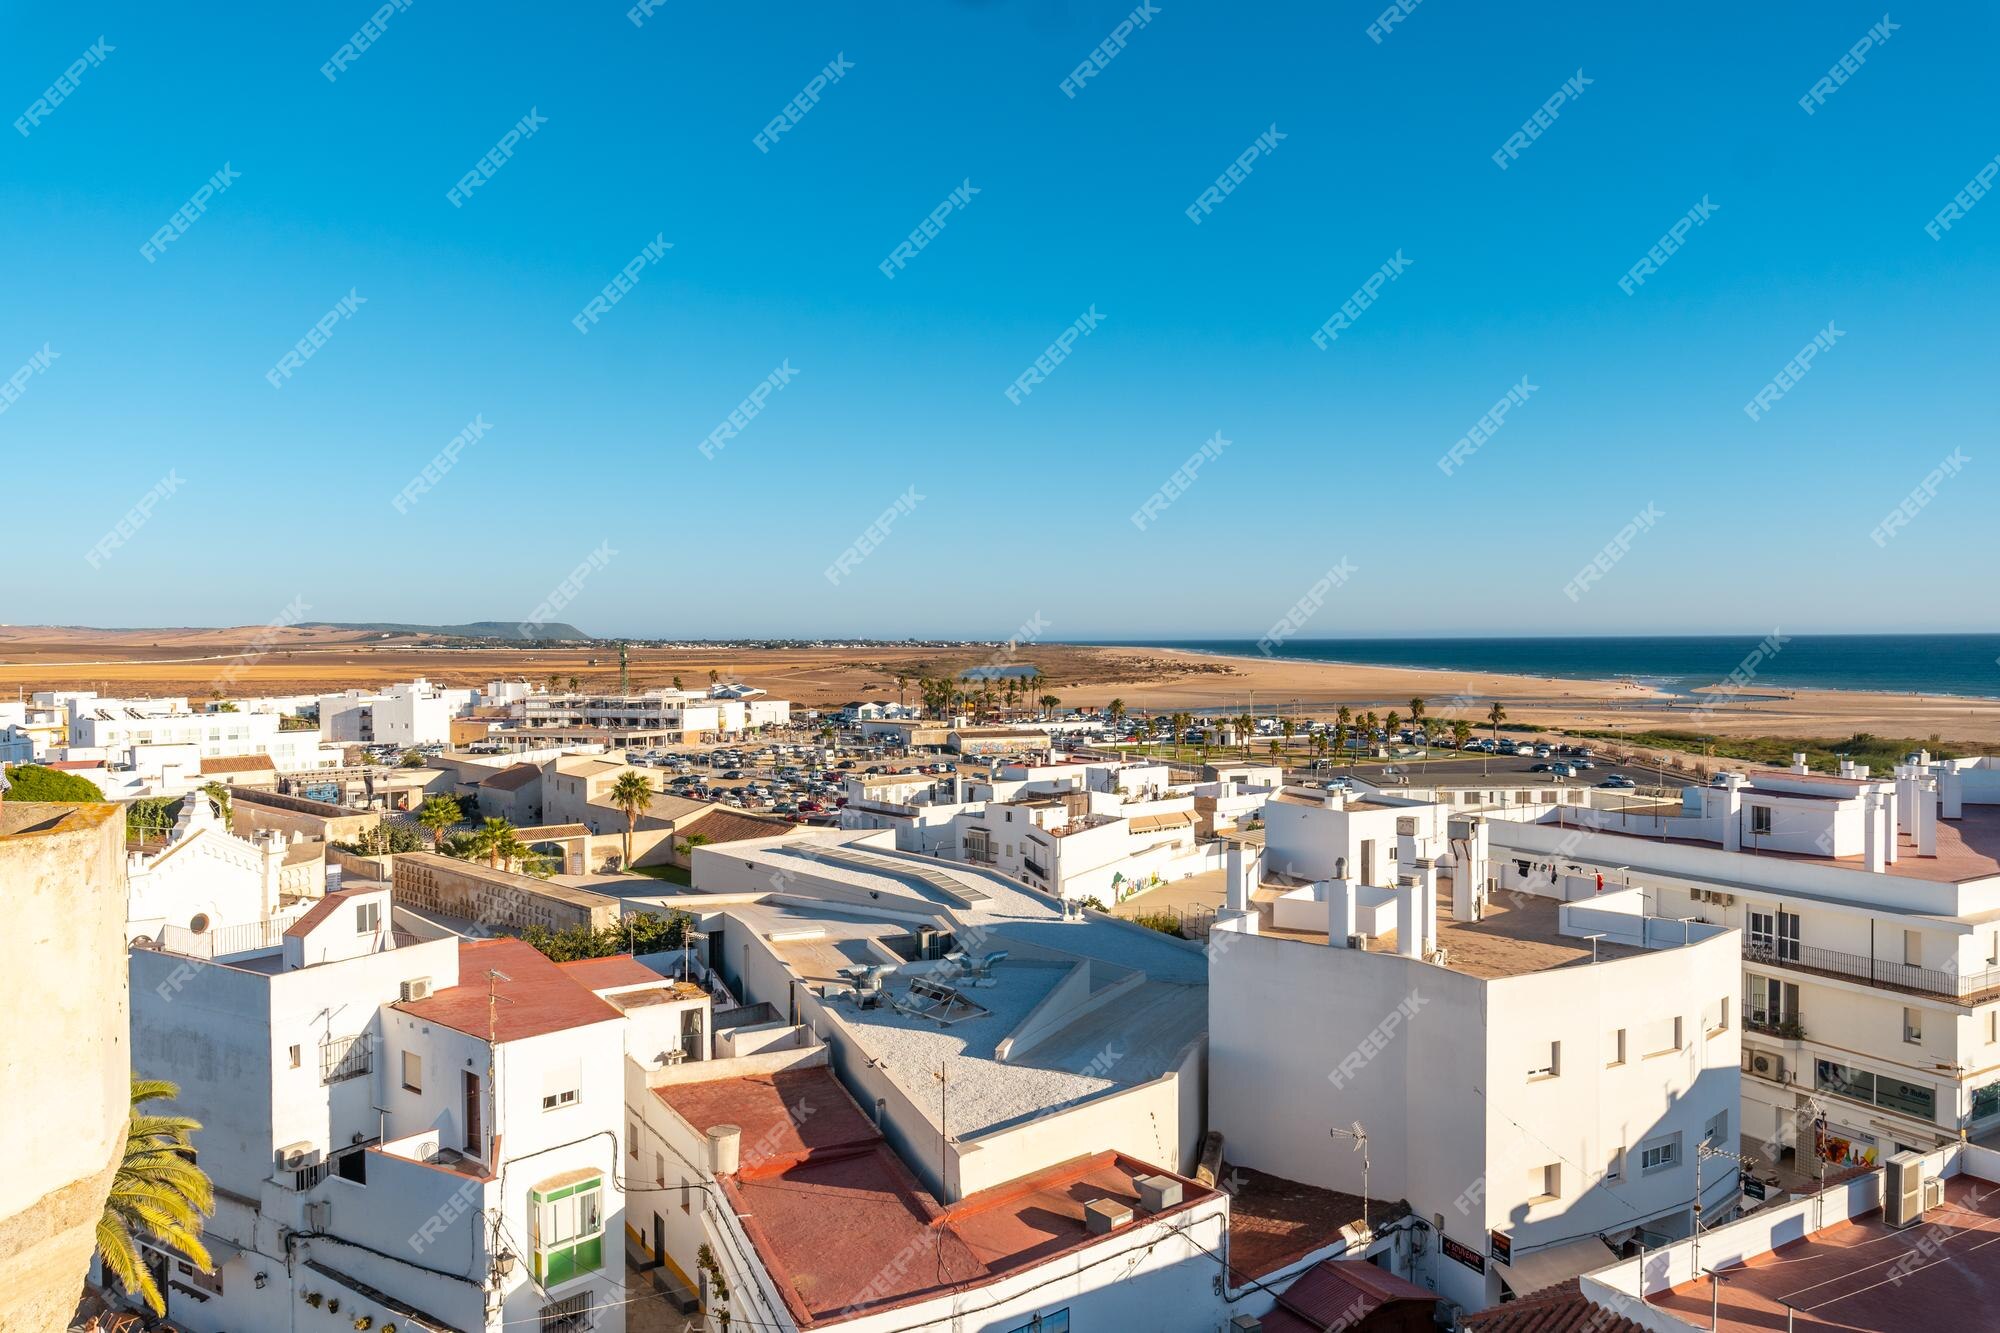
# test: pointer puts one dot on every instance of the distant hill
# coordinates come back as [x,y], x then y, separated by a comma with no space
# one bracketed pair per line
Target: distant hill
[478,629]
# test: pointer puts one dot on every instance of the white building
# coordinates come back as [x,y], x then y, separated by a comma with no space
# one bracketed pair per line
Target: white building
[777,1200]
[1869,913]
[122,731]
[402,1125]
[413,713]
[625,721]
[206,879]
[1531,1074]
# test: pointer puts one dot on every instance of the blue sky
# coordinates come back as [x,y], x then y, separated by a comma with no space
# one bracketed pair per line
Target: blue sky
[287,492]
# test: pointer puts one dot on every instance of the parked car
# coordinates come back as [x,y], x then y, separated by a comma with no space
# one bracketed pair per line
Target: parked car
[1619,781]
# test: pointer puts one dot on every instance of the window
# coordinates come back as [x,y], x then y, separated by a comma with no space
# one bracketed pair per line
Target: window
[571,1314]
[562,1097]
[1617,1044]
[1056,1322]
[1716,1132]
[631,1143]
[1554,1065]
[1547,1182]
[1615,1168]
[1992,1026]
[1760,819]
[1913,949]
[294,1057]
[1913,1026]
[1775,935]
[367,916]
[1993,951]
[1660,1154]
[659,1168]
[568,1228]
[413,1072]
[1721,1023]
[687,1196]
[345,1057]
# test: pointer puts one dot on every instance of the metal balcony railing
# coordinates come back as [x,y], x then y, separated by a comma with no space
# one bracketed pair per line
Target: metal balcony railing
[1874,971]
[1789,1027]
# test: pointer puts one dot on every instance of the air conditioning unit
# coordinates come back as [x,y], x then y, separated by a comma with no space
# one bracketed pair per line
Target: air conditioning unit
[1903,1190]
[1933,1193]
[416,988]
[297,1157]
[1764,1064]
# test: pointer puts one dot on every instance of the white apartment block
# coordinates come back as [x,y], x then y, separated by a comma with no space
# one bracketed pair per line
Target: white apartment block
[413,713]
[625,721]
[1535,1077]
[403,1126]
[122,731]
[1869,917]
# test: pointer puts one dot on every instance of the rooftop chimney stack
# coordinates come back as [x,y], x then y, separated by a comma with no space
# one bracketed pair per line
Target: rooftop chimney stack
[1876,855]
[1732,812]
[1340,916]
[1926,820]
[1409,917]
[1799,762]
[1951,792]
[1427,902]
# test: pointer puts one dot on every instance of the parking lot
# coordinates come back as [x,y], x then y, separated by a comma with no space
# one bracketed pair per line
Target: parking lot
[801,780]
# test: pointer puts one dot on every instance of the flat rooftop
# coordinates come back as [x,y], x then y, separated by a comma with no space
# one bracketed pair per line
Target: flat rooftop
[1519,935]
[1275,1222]
[1968,848]
[807,1147]
[1943,1273]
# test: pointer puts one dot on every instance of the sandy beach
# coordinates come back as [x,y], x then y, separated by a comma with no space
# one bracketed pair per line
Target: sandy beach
[254,660]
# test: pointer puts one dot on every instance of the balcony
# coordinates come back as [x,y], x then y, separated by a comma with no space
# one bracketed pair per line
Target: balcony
[1786,1027]
[1950,985]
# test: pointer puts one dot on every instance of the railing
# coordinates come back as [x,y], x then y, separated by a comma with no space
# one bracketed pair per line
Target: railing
[227,941]
[1875,971]
[1789,1027]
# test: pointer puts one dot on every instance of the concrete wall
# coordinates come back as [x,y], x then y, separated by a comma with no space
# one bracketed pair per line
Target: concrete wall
[64,1062]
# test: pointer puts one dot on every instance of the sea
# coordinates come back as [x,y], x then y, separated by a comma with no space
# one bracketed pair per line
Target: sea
[1958,664]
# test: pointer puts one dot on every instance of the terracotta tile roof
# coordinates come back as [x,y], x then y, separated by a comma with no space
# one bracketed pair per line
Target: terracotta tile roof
[1274,1221]
[1339,1294]
[537,998]
[783,1116]
[323,909]
[1560,1309]
[729,826]
[239,763]
[605,973]
[513,777]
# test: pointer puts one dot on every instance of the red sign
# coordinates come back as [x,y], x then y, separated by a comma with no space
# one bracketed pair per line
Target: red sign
[1465,1254]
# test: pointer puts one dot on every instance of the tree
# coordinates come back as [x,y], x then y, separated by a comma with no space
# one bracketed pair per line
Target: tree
[1391,723]
[677,683]
[496,840]
[573,683]
[1343,719]
[384,839]
[1049,702]
[1247,727]
[555,682]
[902,683]
[158,1195]
[1289,727]
[1494,717]
[437,814]
[692,841]
[412,758]
[1461,732]
[1115,710]
[1417,711]
[713,675]
[33,782]
[631,794]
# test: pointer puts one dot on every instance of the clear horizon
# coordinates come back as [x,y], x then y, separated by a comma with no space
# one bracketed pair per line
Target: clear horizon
[1673,447]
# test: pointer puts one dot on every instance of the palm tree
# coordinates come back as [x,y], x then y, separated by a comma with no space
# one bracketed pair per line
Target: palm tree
[555,682]
[714,676]
[1417,711]
[158,1194]
[1391,723]
[1494,717]
[1115,710]
[1048,703]
[902,681]
[631,794]
[692,841]
[1247,725]
[437,814]
[677,684]
[574,681]
[496,841]
[1290,727]
[1461,732]
[1276,756]
[1343,718]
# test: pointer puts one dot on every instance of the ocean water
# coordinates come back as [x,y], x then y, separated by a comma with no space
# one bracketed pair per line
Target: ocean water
[1963,664]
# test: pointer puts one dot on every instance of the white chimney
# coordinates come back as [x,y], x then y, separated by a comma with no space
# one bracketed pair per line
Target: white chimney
[1340,913]
[1799,762]
[1238,881]
[1847,768]
[725,1144]
[1427,916]
[1951,792]
[1926,820]
[1875,855]
[1409,917]
[1732,812]
[1468,873]
[1891,823]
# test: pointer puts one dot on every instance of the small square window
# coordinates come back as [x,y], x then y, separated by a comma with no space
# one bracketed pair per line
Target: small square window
[1617,1048]
[293,1056]
[1913,1026]
[367,916]
[413,1072]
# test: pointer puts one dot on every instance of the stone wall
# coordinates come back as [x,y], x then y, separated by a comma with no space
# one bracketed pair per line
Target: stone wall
[499,900]
[65,1061]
